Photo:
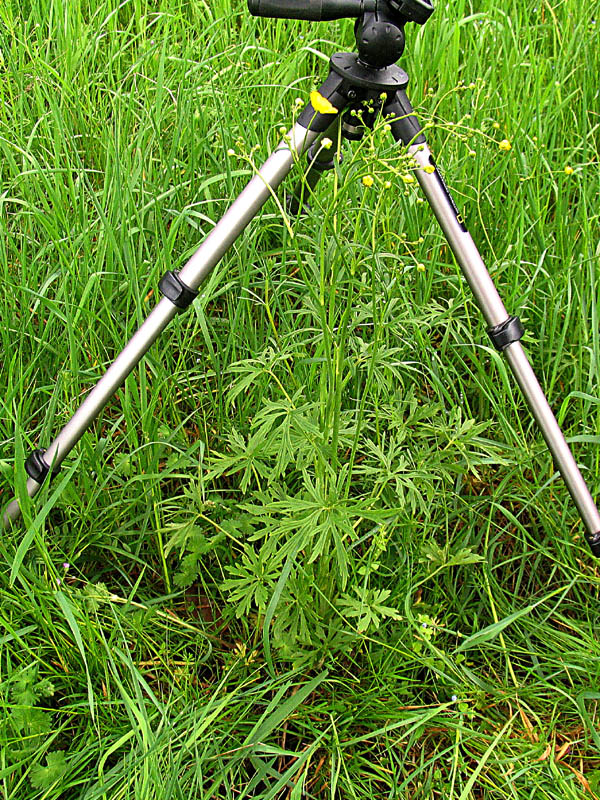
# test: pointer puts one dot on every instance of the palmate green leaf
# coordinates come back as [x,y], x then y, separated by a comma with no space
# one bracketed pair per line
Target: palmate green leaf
[254,577]
[318,521]
[198,545]
[322,521]
[368,607]
[188,571]
[284,432]
[93,595]
[24,690]
[186,535]
[30,723]
[27,688]
[252,369]
[55,769]
[249,457]
[436,556]
[290,430]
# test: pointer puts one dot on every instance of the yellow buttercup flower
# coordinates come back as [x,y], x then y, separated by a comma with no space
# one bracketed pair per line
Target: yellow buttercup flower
[569,170]
[368,180]
[322,104]
[504,145]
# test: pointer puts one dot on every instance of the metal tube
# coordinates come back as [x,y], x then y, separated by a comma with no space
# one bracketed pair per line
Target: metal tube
[532,391]
[93,404]
[247,206]
[458,237]
[495,313]
[212,249]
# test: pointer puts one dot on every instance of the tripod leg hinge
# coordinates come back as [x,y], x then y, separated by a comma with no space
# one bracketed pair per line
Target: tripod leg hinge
[331,90]
[406,128]
[593,539]
[38,468]
[506,333]
[175,290]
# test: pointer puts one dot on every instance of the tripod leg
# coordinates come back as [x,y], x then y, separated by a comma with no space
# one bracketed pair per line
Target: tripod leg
[320,159]
[179,289]
[504,330]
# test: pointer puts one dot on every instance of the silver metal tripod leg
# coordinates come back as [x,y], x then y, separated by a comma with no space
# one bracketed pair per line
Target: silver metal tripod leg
[212,249]
[496,316]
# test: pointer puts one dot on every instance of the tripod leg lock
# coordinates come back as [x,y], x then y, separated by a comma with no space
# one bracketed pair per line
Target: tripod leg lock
[38,468]
[506,333]
[314,162]
[175,290]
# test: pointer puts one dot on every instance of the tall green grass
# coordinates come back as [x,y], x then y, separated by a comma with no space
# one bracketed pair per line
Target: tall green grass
[315,546]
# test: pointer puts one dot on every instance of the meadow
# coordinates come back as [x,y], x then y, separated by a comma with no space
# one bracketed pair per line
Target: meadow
[315,546]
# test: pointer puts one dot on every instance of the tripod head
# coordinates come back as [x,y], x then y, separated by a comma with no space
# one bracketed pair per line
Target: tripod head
[379,28]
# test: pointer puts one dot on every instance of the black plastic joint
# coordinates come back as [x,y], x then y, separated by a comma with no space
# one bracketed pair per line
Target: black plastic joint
[405,125]
[331,90]
[38,468]
[506,333]
[593,539]
[175,290]
[318,165]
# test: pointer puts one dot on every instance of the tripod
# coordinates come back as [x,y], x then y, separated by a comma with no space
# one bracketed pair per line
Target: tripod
[360,87]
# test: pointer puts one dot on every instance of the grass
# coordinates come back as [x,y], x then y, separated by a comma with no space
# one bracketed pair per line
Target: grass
[315,546]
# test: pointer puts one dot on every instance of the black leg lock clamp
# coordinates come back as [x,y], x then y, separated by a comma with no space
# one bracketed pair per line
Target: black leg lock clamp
[593,539]
[321,166]
[506,333]
[38,468]
[175,290]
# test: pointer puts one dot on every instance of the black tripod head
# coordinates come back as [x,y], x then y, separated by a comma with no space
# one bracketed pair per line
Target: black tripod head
[379,28]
